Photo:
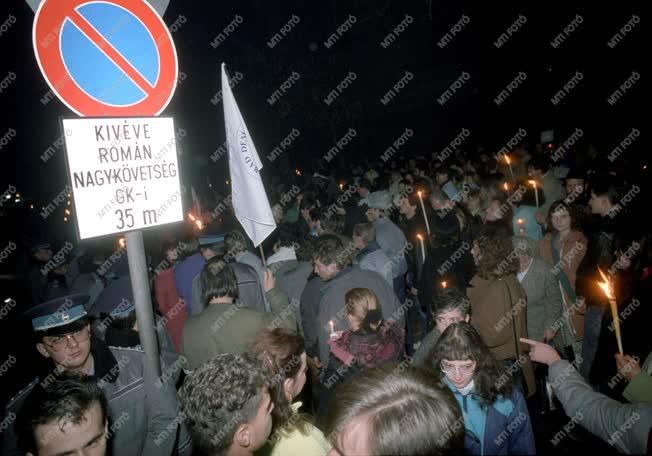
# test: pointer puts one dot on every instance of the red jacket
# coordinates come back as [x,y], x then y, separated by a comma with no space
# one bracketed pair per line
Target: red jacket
[171,306]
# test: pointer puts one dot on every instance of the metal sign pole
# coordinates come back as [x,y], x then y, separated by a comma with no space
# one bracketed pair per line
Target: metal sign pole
[143,299]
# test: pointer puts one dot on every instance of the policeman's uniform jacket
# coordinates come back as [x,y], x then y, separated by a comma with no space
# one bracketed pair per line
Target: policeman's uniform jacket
[143,409]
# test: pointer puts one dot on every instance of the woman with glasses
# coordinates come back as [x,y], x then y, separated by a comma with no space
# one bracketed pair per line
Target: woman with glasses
[495,414]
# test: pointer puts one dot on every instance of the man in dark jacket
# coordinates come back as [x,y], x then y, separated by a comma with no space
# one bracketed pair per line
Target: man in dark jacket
[227,325]
[145,406]
[604,204]
[249,288]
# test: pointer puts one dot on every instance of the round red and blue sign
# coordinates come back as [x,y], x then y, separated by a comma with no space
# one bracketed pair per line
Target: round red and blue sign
[106,58]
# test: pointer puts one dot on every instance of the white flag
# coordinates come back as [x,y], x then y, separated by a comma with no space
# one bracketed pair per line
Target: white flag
[247,192]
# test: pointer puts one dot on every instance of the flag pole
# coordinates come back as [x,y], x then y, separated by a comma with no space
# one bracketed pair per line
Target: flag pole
[262,254]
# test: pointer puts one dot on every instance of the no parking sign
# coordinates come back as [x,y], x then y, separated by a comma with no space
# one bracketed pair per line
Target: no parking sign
[106,58]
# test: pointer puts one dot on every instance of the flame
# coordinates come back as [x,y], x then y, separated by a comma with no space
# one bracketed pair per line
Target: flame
[506,186]
[419,193]
[199,224]
[443,284]
[509,162]
[191,217]
[607,287]
[533,183]
[520,221]
[419,236]
[122,243]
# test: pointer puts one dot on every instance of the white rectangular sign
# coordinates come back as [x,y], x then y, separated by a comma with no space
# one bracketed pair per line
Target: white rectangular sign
[123,173]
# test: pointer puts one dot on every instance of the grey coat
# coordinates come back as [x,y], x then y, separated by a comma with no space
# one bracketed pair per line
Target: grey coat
[377,261]
[292,277]
[420,356]
[544,303]
[143,408]
[625,426]
[251,259]
[331,305]
[392,241]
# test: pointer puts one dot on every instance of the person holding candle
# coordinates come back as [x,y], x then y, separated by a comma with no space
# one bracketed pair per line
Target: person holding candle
[633,289]
[370,340]
[627,427]
[611,220]
[525,209]
[547,185]
[451,233]
[332,262]
[412,223]
[419,271]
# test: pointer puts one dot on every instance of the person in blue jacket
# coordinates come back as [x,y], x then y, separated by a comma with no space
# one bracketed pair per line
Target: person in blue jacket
[496,418]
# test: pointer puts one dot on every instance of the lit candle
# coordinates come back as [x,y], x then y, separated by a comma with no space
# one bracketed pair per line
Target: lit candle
[423,209]
[444,285]
[509,162]
[608,289]
[536,192]
[122,243]
[521,228]
[331,325]
[341,187]
[506,186]
[423,248]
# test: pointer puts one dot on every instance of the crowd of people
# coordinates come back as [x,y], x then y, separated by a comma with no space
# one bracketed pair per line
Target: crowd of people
[404,306]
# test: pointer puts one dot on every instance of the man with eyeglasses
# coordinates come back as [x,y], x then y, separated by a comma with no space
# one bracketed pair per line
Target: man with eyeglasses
[145,406]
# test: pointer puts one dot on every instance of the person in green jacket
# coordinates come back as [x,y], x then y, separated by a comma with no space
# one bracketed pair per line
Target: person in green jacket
[227,326]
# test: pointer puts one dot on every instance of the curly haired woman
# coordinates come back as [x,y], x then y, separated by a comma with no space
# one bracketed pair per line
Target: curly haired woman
[499,303]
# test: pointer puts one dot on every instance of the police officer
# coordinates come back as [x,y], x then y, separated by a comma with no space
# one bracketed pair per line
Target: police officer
[143,408]
[115,320]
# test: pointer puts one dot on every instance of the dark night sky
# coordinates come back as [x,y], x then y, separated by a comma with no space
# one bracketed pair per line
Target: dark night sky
[377,69]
